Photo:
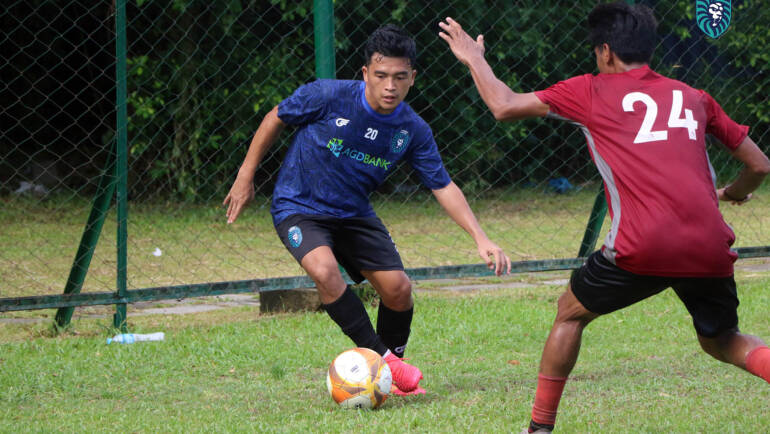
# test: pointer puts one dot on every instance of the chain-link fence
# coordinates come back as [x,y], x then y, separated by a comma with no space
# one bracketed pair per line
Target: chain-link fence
[200,76]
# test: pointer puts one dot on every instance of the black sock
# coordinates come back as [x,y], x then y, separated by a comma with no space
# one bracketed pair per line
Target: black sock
[534,426]
[393,328]
[349,313]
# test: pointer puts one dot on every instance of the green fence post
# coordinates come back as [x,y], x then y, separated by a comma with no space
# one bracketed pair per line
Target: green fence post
[121,167]
[323,30]
[594,224]
[89,239]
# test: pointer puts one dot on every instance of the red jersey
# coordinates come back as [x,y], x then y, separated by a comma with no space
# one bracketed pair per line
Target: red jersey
[646,134]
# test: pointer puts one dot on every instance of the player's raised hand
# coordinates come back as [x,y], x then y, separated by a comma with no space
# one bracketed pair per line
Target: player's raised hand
[495,257]
[240,194]
[462,45]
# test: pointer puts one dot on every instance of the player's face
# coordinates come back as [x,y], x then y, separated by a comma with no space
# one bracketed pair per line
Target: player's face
[388,80]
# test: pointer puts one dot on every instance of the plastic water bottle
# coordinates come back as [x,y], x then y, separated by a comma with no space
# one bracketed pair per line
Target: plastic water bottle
[130,338]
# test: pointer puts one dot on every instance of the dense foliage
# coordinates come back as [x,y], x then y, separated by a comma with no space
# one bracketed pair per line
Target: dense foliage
[202,74]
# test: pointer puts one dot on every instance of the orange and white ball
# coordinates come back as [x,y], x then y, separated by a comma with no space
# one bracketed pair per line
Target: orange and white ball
[359,378]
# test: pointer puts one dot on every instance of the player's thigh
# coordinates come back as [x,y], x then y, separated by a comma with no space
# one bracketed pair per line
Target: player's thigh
[712,303]
[309,240]
[602,287]
[364,244]
[571,309]
[322,267]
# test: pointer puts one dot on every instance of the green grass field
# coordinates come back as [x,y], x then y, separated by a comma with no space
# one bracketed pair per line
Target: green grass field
[40,239]
[234,370]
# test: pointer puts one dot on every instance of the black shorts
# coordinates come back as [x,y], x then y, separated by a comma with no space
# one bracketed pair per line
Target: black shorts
[358,243]
[602,288]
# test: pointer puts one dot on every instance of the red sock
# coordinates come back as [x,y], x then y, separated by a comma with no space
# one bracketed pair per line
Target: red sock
[758,362]
[547,396]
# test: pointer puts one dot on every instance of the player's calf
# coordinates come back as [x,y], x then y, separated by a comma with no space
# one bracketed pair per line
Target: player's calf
[742,350]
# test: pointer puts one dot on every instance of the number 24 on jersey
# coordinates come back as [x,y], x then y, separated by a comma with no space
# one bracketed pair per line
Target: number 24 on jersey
[646,134]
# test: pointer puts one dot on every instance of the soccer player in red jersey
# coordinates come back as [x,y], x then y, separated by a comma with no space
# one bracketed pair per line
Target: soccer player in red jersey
[646,135]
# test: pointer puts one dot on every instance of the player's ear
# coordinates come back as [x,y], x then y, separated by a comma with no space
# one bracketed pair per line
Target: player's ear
[363,72]
[605,52]
[414,74]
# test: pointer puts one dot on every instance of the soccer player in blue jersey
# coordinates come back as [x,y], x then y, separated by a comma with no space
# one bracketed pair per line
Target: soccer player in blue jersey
[350,136]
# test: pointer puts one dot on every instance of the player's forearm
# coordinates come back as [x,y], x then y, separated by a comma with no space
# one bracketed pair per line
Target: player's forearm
[757,167]
[747,182]
[503,102]
[496,94]
[452,199]
[263,139]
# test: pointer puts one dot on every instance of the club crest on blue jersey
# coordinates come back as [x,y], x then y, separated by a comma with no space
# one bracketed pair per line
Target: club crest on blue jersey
[399,142]
[295,236]
[713,16]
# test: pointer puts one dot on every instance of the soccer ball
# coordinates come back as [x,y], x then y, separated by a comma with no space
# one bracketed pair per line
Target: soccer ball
[359,378]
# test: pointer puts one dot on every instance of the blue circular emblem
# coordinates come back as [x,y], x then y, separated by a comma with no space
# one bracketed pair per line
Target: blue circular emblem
[295,236]
[399,142]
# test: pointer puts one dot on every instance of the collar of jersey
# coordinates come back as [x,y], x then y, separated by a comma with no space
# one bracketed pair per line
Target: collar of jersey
[640,71]
[644,69]
[636,73]
[371,111]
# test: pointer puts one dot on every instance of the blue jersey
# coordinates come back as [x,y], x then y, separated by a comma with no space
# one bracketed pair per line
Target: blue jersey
[343,150]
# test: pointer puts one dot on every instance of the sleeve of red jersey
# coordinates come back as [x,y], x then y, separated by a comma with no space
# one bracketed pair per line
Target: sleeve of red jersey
[729,132]
[570,98]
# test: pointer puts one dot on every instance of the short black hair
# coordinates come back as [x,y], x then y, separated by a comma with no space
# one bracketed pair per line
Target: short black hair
[629,30]
[391,41]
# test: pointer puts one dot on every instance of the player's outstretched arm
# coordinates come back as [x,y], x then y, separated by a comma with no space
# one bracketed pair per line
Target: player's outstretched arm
[505,104]
[242,190]
[757,166]
[452,199]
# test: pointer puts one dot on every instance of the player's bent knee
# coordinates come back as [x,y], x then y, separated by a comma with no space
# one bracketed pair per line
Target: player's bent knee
[326,275]
[402,291]
[711,347]
[723,345]
[404,288]
[398,296]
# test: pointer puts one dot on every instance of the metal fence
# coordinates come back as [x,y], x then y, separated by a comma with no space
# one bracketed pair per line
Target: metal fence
[153,103]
